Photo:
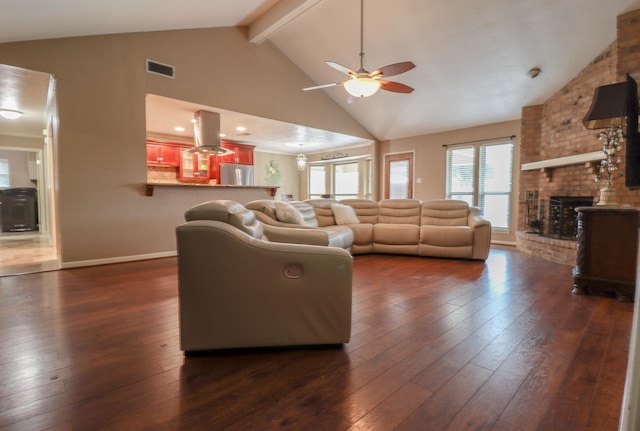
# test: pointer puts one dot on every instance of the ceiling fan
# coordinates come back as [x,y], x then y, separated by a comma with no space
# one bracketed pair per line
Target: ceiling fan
[362,83]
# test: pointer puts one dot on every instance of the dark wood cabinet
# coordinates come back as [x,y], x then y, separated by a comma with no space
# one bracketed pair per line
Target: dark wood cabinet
[606,251]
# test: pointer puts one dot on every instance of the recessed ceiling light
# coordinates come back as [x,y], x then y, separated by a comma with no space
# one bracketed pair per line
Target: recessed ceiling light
[241,129]
[179,129]
[10,114]
[222,135]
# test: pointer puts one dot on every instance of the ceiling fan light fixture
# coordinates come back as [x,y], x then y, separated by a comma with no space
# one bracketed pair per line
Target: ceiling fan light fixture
[10,114]
[361,83]
[362,86]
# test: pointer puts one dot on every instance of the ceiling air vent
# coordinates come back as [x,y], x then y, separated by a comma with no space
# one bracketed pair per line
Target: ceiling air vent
[161,69]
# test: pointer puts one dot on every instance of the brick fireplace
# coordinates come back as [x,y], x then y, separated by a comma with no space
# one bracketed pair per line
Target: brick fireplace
[558,155]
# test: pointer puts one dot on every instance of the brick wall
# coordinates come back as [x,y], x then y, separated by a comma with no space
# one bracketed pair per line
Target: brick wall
[628,43]
[555,128]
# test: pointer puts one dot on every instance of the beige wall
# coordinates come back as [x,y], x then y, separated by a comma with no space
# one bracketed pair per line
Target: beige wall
[101,157]
[18,167]
[430,162]
[15,142]
[289,175]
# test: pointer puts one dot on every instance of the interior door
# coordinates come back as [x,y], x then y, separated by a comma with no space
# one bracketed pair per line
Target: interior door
[398,169]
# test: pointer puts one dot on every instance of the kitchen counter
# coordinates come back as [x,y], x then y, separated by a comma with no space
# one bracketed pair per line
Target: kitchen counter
[150,186]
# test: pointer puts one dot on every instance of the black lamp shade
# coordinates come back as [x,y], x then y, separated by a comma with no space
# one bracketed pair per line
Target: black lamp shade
[609,106]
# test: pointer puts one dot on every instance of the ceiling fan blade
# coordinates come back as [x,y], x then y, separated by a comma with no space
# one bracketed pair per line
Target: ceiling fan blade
[341,68]
[395,87]
[393,69]
[316,87]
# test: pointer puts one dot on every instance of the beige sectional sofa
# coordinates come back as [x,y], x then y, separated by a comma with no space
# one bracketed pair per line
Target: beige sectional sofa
[438,228]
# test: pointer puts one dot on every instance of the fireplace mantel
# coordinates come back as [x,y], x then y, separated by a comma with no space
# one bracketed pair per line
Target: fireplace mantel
[563,161]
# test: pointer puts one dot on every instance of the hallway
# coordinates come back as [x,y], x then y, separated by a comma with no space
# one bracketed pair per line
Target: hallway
[26,252]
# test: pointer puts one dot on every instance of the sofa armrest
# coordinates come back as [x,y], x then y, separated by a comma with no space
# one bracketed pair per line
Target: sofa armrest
[331,236]
[296,235]
[481,233]
[476,218]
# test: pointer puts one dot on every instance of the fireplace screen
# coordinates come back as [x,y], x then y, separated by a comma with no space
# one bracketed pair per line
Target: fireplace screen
[556,217]
[562,220]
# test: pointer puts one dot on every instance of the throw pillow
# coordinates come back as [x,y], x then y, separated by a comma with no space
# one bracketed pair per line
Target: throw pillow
[286,213]
[344,214]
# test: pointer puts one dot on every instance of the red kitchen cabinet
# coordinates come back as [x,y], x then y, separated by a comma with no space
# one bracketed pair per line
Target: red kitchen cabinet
[164,153]
[242,153]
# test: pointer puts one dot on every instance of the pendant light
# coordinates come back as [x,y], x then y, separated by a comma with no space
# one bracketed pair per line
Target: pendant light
[301,161]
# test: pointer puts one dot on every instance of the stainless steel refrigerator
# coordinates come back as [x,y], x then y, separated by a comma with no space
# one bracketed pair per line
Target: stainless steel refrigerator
[238,175]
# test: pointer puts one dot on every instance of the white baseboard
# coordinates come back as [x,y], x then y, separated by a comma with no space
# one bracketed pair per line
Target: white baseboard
[119,259]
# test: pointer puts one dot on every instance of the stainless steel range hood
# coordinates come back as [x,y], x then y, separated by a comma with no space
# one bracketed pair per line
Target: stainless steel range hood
[206,133]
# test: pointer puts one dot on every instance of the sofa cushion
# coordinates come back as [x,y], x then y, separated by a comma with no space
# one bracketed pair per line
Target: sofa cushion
[362,233]
[307,212]
[286,213]
[344,214]
[266,206]
[399,211]
[396,234]
[366,209]
[445,212]
[446,236]
[322,208]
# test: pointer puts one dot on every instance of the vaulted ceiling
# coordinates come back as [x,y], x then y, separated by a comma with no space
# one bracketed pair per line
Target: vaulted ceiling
[472,58]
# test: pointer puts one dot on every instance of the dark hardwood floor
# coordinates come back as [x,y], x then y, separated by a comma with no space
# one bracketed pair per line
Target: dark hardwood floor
[436,344]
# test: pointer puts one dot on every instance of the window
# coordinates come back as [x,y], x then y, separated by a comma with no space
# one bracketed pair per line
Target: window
[346,182]
[5,180]
[496,162]
[317,181]
[485,181]
[340,179]
[461,182]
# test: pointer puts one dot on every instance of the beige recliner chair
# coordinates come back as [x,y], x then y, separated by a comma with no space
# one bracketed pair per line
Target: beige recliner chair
[237,289]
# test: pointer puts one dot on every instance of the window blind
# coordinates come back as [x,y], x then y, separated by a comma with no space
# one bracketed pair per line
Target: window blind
[461,174]
[494,191]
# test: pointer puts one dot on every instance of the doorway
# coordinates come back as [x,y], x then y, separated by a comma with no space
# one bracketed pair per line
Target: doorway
[398,174]
[27,149]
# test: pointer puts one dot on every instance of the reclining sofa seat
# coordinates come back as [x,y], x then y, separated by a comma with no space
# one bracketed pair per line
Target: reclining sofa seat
[367,212]
[451,228]
[398,228]
[237,289]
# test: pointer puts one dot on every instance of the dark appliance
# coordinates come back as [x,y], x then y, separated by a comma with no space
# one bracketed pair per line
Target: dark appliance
[19,209]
